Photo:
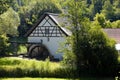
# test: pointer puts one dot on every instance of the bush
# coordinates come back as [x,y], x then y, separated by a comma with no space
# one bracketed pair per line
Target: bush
[95,52]
[3,45]
[101,55]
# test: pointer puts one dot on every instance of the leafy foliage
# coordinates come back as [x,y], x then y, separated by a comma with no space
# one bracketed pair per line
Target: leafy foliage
[29,15]
[5,4]
[116,24]
[108,10]
[101,19]
[19,15]
[30,10]
[101,54]
[3,45]
[9,22]
[92,48]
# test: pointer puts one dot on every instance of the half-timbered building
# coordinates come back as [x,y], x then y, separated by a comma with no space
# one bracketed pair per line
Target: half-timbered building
[46,36]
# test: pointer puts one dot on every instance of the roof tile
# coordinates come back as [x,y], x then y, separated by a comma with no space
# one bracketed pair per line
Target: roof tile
[114,33]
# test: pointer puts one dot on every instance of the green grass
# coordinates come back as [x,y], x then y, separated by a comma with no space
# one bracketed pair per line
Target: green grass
[32,79]
[18,67]
[90,78]
[28,63]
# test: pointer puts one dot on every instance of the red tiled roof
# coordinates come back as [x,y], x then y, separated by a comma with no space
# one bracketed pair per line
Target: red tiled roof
[114,33]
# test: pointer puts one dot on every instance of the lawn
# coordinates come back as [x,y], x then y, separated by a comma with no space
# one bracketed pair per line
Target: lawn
[18,67]
[32,79]
[92,78]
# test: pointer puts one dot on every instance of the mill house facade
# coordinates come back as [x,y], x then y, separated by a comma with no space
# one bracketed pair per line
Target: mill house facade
[46,36]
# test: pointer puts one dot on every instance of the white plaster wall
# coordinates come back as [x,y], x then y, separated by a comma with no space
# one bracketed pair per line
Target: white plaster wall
[53,44]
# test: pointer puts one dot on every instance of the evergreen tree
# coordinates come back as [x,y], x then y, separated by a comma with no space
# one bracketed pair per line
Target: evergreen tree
[97,6]
[117,10]
[89,1]
[108,10]
[111,1]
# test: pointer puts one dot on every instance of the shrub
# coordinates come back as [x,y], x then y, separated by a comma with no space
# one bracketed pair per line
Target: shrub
[94,52]
[3,45]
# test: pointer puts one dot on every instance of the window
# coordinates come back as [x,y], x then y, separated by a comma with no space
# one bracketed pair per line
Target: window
[46,31]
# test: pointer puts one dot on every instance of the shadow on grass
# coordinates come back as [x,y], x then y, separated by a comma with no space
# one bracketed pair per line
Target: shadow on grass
[96,78]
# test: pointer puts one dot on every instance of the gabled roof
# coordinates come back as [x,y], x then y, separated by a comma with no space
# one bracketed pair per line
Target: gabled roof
[56,18]
[62,21]
[114,33]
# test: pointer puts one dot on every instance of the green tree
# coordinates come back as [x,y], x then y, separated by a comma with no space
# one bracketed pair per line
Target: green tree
[117,4]
[6,4]
[111,1]
[101,55]
[75,14]
[3,45]
[101,20]
[117,10]
[97,5]
[91,12]
[3,6]
[108,10]
[116,24]
[91,49]
[32,11]
[89,1]
[9,22]
[45,6]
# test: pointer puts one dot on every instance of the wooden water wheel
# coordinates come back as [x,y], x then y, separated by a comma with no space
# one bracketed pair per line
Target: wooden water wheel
[38,52]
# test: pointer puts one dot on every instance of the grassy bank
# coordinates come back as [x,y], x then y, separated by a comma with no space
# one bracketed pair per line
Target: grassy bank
[87,78]
[32,79]
[17,67]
